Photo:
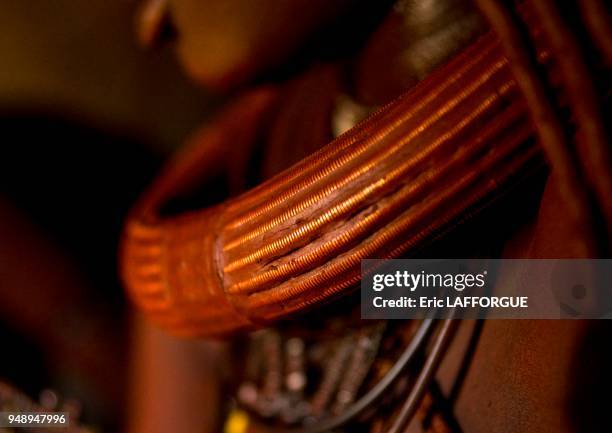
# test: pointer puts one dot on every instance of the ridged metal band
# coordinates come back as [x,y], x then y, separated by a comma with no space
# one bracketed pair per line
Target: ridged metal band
[398,178]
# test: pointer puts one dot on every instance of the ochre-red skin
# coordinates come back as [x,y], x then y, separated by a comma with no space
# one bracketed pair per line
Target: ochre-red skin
[396,179]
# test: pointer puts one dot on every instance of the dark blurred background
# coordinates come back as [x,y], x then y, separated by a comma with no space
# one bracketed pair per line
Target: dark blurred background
[86,118]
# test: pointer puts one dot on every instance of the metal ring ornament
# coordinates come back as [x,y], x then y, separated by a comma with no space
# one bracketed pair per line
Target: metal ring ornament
[396,179]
